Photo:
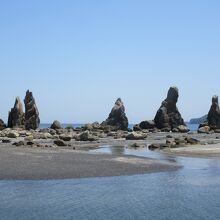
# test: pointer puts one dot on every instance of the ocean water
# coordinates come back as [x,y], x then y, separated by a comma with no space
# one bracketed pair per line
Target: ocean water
[192,127]
[192,192]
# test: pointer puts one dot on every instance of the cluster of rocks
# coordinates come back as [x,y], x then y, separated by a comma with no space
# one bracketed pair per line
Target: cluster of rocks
[168,117]
[18,119]
[213,119]
[172,142]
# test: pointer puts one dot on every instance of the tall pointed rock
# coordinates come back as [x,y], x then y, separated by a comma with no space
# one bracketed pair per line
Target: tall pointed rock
[16,115]
[168,116]
[214,114]
[32,119]
[117,119]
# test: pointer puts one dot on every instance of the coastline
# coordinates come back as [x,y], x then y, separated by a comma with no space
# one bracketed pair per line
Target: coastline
[75,161]
[19,163]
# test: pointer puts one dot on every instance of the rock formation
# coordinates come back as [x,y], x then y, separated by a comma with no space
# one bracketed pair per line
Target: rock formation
[213,118]
[16,115]
[214,114]
[2,125]
[168,117]
[117,119]
[32,119]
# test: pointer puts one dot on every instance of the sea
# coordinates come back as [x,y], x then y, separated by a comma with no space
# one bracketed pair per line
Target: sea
[192,192]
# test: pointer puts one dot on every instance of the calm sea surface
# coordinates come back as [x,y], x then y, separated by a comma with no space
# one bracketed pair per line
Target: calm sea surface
[192,192]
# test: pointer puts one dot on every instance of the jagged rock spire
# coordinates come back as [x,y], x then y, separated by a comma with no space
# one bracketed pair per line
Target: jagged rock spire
[117,119]
[214,114]
[32,119]
[168,116]
[16,115]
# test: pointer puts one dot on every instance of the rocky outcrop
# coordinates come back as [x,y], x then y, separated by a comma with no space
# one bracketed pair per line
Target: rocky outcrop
[213,118]
[16,115]
[168,116]
[32,119]
[214,114]
[2,125]
[117,119]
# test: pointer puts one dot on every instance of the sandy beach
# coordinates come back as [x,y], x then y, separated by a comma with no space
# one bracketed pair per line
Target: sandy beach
[20,163]
[26,162]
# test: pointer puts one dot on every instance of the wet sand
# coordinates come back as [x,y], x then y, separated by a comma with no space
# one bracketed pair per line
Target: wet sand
[35,163]
[203,151]
[22,163]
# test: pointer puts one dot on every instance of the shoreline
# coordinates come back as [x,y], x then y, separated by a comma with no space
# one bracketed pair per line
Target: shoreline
[18,163]
[75,161]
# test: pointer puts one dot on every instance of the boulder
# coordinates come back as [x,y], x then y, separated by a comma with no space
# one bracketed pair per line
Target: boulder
[192,141]
[65,137]
[60,143]
[19,143]
[29,138]
[86,136]
[13,134]
[93,126]
[154,146]
[56,125]
[6,141]
[147,124]
[183,129]
[2,125]
[32,119]
[136,136]
[16,117]
[204,130]
[168,116]
[117,119]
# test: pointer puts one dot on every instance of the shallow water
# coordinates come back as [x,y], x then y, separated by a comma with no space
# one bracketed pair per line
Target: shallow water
[192,192]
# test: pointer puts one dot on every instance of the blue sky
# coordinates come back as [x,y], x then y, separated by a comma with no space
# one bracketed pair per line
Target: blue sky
[79,56]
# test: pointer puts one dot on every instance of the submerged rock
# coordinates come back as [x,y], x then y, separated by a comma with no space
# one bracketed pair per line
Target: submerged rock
[32,119]
[168,116]
[16,117]
[117,119]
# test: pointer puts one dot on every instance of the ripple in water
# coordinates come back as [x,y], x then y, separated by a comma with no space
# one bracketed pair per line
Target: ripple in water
[192,192]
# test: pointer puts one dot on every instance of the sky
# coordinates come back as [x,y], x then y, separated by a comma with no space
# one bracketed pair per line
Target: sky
[79,56]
